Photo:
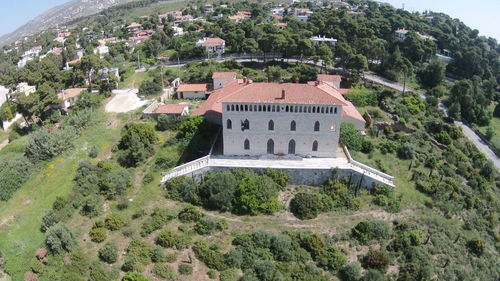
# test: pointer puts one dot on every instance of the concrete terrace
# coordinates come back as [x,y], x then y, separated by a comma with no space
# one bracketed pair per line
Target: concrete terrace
[302,170]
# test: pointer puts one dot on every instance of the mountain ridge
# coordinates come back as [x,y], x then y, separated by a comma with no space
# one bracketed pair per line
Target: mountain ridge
[59,15]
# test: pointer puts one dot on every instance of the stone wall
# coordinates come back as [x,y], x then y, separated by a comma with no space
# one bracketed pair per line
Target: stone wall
[313,177]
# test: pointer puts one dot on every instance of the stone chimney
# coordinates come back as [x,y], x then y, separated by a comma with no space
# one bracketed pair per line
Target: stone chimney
[297,80]
[266,80]
[245,80]
[283,95]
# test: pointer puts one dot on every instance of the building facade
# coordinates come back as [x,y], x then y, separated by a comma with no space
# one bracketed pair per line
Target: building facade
[306,130]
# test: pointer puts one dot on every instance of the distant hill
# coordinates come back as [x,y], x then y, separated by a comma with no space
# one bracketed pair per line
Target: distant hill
[59,15]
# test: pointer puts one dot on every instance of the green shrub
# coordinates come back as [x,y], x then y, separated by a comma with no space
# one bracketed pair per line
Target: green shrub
[208,226]
[170,239]
[476,246]
[93,152]
[134,276]
[185,269]
[114,222]
[373,275]
[331,259]
[14,172]
[217,191]
[183,189]
[210,255]
[97,234]
[190,214]
[158,219]
[43,145]
[308,205]
[212,274]
[367,231]
[229,275]
[280,177]
[351,272]
[116,182]
[164,271]
[362,97]
[36,266]
[59,238]
[92,207]
[170,123]
[377,259]
[49,219]
[108,253]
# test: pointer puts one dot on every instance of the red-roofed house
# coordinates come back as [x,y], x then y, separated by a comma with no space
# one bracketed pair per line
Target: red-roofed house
[172,109]
[68,97]
[280,118]
[212,45]
[192,91]
[221,78]
[333,79]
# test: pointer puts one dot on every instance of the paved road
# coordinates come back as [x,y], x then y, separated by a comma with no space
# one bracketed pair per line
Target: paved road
[468,132]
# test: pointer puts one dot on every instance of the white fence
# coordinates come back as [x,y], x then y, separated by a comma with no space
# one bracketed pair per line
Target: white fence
[368,171]
[186,168]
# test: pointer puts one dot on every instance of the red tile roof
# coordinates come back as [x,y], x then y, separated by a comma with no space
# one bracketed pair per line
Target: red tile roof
[311,93]
[170,109]
[192,88]
[217,75]
[214,42]
[327,77]
[294,93]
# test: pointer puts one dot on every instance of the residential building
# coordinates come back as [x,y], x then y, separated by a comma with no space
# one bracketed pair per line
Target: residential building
[212,45]
[25,89]
[101,50]
[281,25]
[4,94]
[302,14]
[178,31]
[172,110]
[221,78]
[133,27]
[334,80]
[240,16]
[279,11]
[68,97]
[323,39]
[253,105]
[192,91]
[29,55]
[401,34]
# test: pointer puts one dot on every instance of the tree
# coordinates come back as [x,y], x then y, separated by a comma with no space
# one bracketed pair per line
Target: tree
[59,238]
[350,136]
[377,259]
[134,276]
[306,205]
[138,132]
[108,253]
[432,74]
[149,88]
[43,145]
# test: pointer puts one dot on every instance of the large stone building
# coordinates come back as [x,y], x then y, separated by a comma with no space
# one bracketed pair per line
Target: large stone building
[280,118]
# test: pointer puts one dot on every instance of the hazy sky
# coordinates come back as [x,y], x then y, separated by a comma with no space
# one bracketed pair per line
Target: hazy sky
[483,15]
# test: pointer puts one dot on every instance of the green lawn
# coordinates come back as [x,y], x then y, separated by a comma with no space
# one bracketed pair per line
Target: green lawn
[20,217]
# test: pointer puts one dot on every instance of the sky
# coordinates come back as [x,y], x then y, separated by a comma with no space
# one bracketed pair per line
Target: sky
[15,13]
[483,15]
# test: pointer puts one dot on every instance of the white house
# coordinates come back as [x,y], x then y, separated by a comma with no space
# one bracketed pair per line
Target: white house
[29,55]
[192,91]
[24,88]
[212,45]
[280,118]
[101,50]
[302,14]
[221,78]
[323,39]
[4,92]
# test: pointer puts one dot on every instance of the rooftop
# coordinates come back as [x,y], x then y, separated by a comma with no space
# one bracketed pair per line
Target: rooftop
[70,93]
[192,88]
[213,42]
[170,108]
[328,77]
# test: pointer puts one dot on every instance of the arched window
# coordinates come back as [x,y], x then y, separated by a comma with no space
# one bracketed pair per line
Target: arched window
[270,146]
[270,125]
[335,110]
[293,126]
[315,146]
[246,107]
[245,125]
[237,107]
[232,107]
[314,109]
[316,126]
[227,107]
[286,108]
[229,124]
[291,147]
[333,128]
[246,145]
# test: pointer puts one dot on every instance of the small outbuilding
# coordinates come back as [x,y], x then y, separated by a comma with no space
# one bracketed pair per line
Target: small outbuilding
[192,91]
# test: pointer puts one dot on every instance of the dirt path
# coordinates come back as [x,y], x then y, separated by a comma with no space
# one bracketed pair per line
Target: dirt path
[4,143]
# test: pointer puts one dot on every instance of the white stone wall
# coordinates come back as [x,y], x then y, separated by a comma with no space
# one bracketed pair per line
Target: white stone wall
[192,95]
[219,82]
[304,135]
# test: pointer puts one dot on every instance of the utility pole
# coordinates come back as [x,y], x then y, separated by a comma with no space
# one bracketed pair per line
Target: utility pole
[138,61]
